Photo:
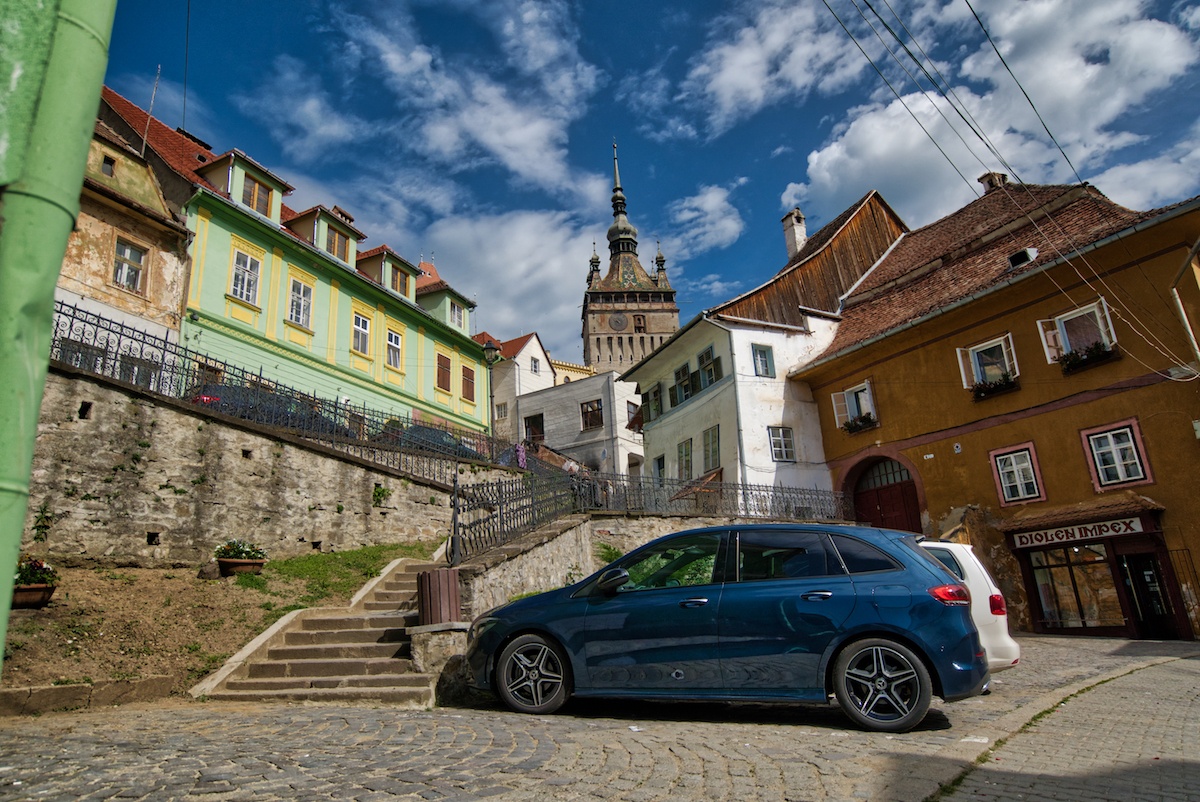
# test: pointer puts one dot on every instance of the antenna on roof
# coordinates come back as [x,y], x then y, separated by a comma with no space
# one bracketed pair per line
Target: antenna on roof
[150,113]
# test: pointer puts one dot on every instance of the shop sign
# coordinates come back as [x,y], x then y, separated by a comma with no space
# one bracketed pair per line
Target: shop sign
[1068,534]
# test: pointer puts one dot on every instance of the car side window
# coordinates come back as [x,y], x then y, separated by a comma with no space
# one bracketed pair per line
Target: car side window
[862,558]
[784,555]
[678,562]
[947,559]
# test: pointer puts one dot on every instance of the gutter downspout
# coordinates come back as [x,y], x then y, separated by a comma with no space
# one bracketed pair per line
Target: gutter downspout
[37,213]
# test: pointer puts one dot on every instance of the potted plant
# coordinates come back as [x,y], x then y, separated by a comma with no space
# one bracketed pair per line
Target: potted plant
[240,557]
[34,583]
[860,422]
[1093,354]
[986,389]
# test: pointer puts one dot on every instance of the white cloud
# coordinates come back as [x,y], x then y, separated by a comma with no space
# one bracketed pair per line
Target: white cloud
[1156,181]
[704,222]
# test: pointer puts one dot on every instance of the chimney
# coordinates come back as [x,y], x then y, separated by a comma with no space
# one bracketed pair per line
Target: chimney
[992,181]
[794,232]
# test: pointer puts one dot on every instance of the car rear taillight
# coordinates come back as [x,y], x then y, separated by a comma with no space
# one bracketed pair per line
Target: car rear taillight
[951,595]
[996,602]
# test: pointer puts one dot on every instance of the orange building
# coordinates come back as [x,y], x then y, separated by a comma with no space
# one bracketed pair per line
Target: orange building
[1022,375]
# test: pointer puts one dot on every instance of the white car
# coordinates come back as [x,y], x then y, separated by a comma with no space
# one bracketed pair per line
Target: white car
[991,617]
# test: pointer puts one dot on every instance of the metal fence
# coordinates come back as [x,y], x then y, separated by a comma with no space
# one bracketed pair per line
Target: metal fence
[490,514]
[422,448]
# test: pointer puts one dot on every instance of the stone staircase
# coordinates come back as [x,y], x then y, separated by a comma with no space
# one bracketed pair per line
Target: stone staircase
[363,652]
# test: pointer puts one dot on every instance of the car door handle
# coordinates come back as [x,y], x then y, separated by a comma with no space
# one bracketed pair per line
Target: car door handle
[693,602]
[817,595]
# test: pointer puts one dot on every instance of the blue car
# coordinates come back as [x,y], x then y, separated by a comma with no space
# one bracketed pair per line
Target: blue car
[764,612]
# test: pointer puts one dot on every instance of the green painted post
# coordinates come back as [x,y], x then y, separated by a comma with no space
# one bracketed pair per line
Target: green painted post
[54,56]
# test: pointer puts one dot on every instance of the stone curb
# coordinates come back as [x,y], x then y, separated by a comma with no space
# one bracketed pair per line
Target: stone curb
[103,693]
[971,746]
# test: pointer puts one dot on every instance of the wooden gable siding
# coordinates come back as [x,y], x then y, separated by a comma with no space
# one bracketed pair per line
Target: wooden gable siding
[820,281]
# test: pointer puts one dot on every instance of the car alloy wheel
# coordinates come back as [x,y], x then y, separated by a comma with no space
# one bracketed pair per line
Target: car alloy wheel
[882,685]
[532,675]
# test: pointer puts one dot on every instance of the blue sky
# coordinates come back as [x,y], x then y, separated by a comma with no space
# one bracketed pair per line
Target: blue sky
[479,133]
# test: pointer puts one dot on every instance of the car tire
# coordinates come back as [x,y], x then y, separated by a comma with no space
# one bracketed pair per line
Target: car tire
[532,675]
[882,685]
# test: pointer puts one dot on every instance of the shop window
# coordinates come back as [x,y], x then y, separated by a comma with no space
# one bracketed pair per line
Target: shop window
[783,447]
[764,360]
[1086,330]
[1075,587]
[1016,473]
[591,414]
[1117,457]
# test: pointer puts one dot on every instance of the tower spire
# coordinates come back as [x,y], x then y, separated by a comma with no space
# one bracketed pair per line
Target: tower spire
[622,236]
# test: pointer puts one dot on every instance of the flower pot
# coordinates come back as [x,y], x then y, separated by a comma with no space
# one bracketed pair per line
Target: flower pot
[231,565]
[31,597]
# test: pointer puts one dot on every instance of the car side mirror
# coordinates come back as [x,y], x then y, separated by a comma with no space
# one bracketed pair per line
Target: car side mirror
[612,579]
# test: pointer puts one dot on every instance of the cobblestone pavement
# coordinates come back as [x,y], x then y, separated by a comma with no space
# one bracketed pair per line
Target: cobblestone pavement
[1136,737]
[638,752]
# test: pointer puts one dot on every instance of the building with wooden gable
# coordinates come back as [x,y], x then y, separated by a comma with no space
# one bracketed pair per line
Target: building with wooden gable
[1022,375]
[716,402]
[291,295]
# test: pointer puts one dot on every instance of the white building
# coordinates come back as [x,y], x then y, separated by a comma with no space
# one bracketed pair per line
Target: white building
[588,420]
[524,367]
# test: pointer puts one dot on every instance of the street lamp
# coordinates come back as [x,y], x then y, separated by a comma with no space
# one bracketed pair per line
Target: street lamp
[491,355]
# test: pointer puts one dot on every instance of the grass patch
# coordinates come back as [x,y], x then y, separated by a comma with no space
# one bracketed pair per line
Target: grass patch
[342,573]
[252,581]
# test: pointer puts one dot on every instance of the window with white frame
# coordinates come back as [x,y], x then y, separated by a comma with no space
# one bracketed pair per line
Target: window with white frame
[245,278]
[783,447]
[685,459]
[129,266]
[362,334]
[712,448]
[456,314]
[395,350]
[764,360]
[992,362]
[1116,454]
[535,365]
[855,407]
[300,305]
[1016,474]
[682,389]
[1082,329]
[710,368]
[501,410]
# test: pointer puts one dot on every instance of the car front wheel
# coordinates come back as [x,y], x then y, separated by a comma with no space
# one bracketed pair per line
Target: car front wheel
[882,685]
[532,675]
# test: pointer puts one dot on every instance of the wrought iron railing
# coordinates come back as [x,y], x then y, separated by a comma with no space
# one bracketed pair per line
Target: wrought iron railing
[490,514]
[423,448]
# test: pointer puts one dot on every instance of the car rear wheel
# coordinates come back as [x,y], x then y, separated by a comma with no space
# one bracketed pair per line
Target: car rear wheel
[882,685]
[532,675]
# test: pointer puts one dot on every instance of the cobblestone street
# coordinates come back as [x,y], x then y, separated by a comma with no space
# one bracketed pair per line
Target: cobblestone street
[1113,737]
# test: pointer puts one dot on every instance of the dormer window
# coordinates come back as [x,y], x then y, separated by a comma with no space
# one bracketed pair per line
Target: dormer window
[399,281]
[1022,257]
[336,243]
[257,196]
[456,314]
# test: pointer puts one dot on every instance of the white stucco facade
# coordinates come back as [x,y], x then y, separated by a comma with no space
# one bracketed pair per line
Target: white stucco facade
[525,368]
[766,429]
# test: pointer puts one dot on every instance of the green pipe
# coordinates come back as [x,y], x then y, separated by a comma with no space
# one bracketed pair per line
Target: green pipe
[37,213]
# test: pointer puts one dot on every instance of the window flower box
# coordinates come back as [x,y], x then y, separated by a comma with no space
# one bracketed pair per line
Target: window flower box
[1005,384]
[1081,359]
[859,423]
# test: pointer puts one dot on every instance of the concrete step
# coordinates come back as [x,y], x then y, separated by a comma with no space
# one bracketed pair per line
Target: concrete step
[385,606]
[395,596]
[395,619]
[338,651]
[416,698]
[337,636]
[330,667]
[291,683]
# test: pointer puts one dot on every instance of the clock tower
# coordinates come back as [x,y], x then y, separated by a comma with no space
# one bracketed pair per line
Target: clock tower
[627,313]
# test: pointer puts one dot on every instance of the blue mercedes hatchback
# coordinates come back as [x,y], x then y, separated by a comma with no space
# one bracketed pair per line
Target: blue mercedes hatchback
[763,612]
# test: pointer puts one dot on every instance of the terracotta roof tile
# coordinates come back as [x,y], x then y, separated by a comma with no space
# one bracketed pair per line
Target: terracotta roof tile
[967,252]
[182,152]
[1123,502]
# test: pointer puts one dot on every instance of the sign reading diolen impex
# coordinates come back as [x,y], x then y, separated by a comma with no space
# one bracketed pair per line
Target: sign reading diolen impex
[1067,534]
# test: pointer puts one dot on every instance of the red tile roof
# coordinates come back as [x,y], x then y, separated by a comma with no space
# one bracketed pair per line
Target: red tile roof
[182,152]
[1115,504]
[508,348]
[967,252]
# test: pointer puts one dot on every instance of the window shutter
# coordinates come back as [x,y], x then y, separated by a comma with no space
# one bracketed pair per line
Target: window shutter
[694,382]
[1010,356]
[841,412]
[966,367]
[673,392]
[1106,326]
[870,399]
[1051,341]
[717,369]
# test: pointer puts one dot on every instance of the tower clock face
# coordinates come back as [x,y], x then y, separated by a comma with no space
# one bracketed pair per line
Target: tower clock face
[618,322]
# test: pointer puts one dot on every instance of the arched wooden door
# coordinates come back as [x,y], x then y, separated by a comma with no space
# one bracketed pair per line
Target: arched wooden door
[886,496]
